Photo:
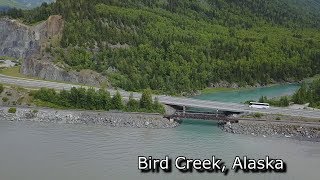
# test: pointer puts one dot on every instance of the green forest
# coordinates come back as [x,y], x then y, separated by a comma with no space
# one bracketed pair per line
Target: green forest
[176,46]
[90,99]
[308,93]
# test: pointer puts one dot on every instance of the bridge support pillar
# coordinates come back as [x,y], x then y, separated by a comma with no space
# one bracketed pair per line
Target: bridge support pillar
[184,110]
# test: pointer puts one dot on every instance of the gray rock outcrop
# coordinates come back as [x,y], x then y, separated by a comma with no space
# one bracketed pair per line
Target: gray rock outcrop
[29,42]
[47,70]
[17,40]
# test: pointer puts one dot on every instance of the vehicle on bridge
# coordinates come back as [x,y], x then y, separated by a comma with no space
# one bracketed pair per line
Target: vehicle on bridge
[258,105]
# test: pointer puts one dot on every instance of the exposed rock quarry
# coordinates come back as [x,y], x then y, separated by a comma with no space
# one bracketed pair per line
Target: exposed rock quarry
[17,40]
[28,43]
[21,41]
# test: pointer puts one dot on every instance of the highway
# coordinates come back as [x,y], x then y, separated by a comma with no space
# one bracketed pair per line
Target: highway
[169,100]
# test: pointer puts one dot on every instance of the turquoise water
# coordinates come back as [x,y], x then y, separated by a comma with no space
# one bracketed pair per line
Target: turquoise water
[45,151]
[239,96]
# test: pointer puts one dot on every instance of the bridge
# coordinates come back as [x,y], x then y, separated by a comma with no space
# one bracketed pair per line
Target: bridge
[181,102]
[221,117]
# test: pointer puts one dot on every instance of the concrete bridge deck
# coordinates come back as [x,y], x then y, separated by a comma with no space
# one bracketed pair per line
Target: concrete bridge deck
[169,100]
[221,117]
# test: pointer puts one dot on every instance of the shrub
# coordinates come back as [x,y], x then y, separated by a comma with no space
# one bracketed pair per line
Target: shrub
[12,110]
[5,99]
[278,118]
[35,111]
[32,93]
[257,115]
[1,88]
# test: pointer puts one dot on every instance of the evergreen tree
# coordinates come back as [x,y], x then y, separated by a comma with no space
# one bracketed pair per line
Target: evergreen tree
[158,107]
[117,102]
[284,101]
[74,97]
[132,105]
[103,100]
[263,99]
[64,97]
[301,96]
[146,100]
[91,98]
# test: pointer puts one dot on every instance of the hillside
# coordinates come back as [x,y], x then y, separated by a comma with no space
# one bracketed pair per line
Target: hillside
[182,46]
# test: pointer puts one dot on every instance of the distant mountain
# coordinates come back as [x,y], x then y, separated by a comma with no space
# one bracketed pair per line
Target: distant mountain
[23,4]
[4,4]
[4,8]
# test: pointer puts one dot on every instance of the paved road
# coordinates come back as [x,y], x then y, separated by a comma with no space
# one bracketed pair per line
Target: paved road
[179,101]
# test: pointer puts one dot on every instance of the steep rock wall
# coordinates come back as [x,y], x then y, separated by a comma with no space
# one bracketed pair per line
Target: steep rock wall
[17,40]
[28,43]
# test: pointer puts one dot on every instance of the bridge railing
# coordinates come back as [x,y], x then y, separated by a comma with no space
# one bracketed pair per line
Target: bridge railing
[198,115]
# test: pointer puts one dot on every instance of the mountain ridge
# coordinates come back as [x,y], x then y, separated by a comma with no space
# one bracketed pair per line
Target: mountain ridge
[22,4]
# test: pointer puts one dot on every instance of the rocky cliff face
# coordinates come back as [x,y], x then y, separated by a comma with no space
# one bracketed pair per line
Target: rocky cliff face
[28,43]
[21,41]
[47,70]
[17,40]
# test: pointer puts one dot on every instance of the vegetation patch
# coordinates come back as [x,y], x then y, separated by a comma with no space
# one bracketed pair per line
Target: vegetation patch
[308,93]
[283,101]
[13,71]
[5,99]
[89,99]
[1,88]
[257,115]
[12,110]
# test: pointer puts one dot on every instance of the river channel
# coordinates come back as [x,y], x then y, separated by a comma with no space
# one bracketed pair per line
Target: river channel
[44,151]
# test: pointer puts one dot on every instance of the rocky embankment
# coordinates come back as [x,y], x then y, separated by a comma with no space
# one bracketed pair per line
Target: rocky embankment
[271,129]
[110,119]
